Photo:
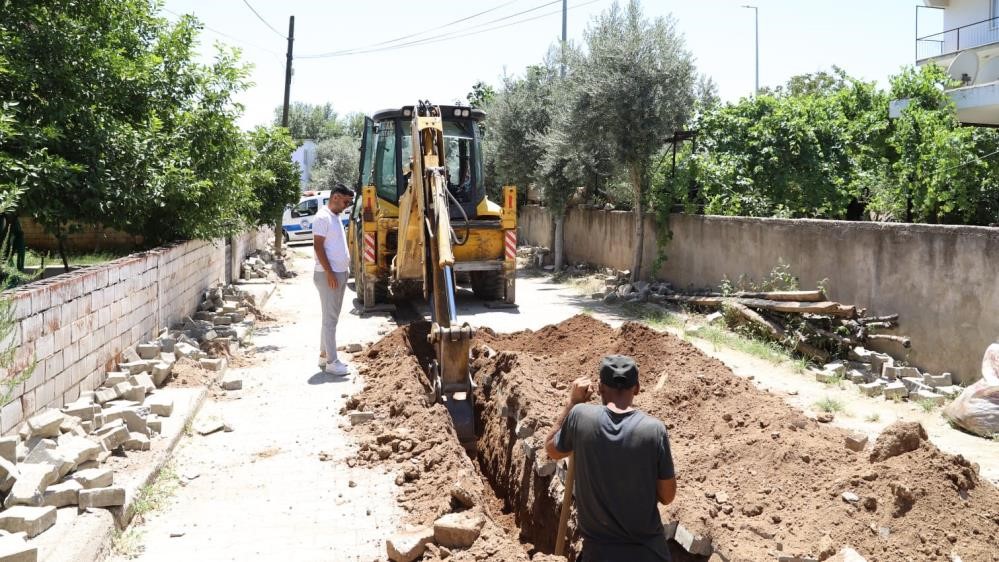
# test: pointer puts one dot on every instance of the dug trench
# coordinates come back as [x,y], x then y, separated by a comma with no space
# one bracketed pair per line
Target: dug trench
[757,479]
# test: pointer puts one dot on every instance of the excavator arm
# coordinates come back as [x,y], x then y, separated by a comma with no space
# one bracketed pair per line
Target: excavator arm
[426,239]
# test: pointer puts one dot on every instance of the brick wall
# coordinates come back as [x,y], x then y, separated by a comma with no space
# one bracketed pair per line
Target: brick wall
[76,325]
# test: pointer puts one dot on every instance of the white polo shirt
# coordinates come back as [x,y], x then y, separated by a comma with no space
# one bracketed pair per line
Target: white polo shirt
[328,225]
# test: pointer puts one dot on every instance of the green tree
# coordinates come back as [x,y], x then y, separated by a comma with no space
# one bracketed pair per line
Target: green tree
[311,121]
[275,178]
[481,96]
[635,87]
[336,161]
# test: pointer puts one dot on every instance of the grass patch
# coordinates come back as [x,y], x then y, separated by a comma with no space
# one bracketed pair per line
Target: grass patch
[721,337]
[927,405]
[127,543]
[189,427]
[799,365]
[829,404]
[587,285]
[33,258]
[154,496]
[873,418]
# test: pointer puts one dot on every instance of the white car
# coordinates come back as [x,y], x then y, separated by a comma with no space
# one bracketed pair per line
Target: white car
[297,220]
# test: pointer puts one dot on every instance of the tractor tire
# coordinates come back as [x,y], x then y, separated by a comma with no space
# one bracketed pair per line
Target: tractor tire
[488,285]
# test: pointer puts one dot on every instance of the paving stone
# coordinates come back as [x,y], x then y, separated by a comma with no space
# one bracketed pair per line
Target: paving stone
[168,358]
[14,548]
[409,546]
[856,441]
[929,395]
[232,381]
[222,320]
[71,424]
[935,381]
[458,530]
[144,381]
[136,442]
[148,350]
[94,477]
[159,404]
[26,519]
[8,448]
[895,391]
[102,497]
[216,365]
[62,494]
[357,418]
[79,449]
[161,372]
[45,424]
[31,482]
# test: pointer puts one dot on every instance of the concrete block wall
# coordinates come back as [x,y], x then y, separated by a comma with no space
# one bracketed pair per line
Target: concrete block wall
[943,281]
[75,326]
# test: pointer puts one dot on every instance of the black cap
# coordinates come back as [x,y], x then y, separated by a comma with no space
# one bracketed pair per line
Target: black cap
[618,371]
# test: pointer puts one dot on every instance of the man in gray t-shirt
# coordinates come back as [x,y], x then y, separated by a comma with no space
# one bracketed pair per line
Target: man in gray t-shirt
[623,466]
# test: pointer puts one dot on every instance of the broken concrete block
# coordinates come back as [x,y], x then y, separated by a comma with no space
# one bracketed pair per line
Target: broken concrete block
[105,395]
[692,542]
[929,396]
[409,546]
[154,423]
[80,410]
[102,497]
[872,388]
[913,384]
[130,355]
[114,438]
[458,530]
[856,441]
[8,475]
[167,344]
[357,418]
[78,449]
[232,381]
[14,548]
[836,367]
[857,376]
[134,393]
[222,320]
[827,376]
[148,350]
[879,360]
[168,358]
[895,391]
[8,448]
[951,391]
[31,521]
[48,453]
[136,442]
[134,367]
[185,349]
[891,372]
[935,381]
[143,381]
[45,424]
[93,477]
[159,404]
[62,494]
[860,353]
[161,372]
[114,378]
[31,482]
[206,425]
[213,364]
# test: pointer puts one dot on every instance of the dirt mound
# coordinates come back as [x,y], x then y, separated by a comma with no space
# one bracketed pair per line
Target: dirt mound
[898,438]
[756,477]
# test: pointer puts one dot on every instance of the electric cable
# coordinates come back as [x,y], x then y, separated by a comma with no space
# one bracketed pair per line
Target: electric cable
[265,22]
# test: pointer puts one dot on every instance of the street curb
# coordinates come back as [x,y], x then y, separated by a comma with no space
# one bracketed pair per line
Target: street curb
[89,536]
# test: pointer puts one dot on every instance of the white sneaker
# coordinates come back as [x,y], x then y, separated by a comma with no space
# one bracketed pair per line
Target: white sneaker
[337,368]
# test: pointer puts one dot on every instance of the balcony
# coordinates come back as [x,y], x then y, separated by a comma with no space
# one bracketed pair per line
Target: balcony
[952,41]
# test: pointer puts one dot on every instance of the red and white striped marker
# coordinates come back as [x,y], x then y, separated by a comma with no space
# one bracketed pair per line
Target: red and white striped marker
[369,248]
[510,241]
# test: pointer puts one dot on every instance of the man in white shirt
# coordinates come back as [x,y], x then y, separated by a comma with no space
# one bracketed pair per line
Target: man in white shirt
[330,277]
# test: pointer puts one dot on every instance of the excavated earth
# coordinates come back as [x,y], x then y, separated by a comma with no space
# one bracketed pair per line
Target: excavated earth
[757,479]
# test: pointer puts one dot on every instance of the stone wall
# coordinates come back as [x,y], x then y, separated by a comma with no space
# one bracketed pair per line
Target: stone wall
[74,326]
[943,281]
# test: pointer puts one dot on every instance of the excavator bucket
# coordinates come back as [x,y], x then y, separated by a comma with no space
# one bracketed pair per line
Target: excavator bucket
[462,409]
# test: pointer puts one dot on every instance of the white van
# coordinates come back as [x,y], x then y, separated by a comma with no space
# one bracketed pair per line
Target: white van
[297,220]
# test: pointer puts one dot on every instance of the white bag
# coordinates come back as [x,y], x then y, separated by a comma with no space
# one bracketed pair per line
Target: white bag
[977,408]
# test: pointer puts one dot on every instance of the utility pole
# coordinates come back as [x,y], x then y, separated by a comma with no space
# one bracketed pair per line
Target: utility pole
[278,230]
[756,17]
[565,10]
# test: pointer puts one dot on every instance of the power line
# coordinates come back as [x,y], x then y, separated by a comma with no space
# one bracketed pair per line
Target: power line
[265,22]
[226,35]
[375,48]
[437,28]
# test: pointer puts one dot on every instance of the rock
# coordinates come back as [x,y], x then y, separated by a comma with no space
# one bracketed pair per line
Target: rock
[825,417]
[951,391]
[167,344]
[353,348]
[460,493]
[409,546]
[458,530]
[856,376]
[206,425]
[847,554]
[856,441]
[14,548]
[358,418]
[29,520]
[895,391]
[93,478]
[715,318]
[30,484]
[45,424]
[159,404]
[102,497]
[136,442]
[62,494]
[232,381]
[898,438]
[826,547]
[850,497]
[826,376]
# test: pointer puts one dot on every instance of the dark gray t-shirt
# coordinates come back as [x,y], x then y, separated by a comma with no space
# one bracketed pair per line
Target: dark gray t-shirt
[619,459]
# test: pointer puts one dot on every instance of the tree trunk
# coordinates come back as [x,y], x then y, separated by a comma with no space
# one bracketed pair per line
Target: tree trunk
[558,242]
[61,238]
[636,262]
[278,236]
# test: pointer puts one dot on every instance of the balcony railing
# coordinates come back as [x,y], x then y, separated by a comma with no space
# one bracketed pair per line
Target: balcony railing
[976,34]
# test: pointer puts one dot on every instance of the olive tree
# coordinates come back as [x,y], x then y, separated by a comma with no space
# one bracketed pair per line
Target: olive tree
[633,89]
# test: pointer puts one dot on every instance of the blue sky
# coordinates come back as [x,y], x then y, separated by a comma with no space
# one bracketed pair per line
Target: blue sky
[871,39]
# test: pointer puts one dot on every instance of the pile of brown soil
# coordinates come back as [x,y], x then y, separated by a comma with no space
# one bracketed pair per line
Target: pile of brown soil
[756,477]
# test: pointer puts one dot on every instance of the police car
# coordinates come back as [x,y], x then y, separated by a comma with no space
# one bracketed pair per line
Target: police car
[297,220]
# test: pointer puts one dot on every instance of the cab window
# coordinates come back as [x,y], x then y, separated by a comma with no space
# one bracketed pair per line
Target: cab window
[385,162]
[463,173]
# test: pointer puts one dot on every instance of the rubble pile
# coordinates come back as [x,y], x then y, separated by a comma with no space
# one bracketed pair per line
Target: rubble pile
[223,323]
[876,374]
[536,257]
[261,264]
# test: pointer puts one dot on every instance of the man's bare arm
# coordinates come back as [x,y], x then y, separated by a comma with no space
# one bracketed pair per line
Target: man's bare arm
[666,491]
[579,392]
